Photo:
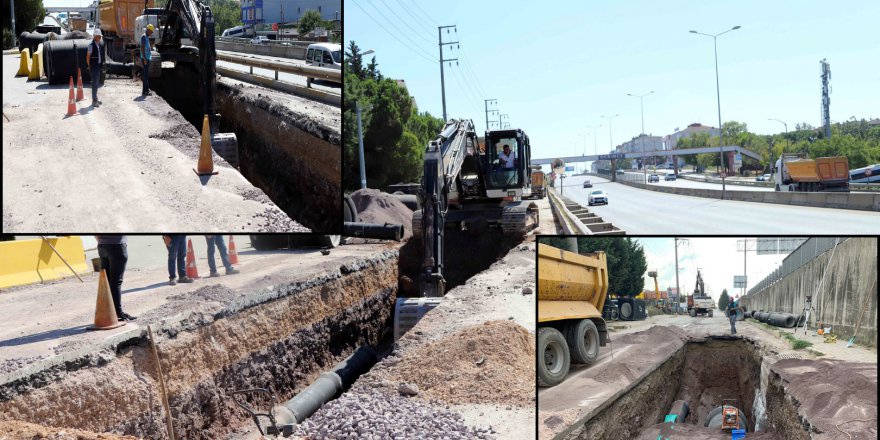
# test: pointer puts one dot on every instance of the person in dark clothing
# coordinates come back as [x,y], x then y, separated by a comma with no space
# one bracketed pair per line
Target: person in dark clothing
[113,251]
[95,58]
[732,308]
[176,245]
[217,240]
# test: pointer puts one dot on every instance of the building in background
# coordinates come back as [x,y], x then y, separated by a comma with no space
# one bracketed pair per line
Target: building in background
[255,12]
[672,139]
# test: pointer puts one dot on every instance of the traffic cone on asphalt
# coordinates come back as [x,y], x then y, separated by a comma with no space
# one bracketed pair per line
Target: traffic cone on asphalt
[105,310]
[205,167]
[233,255]
[79,85]
[191,270]
[71,104]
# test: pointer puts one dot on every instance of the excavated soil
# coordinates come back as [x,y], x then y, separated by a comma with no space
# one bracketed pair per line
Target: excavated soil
[493,362]
[282,342]
[378,207]
[31,431]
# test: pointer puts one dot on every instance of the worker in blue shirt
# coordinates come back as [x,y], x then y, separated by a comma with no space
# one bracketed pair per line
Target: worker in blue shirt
[732,308]
[146,56]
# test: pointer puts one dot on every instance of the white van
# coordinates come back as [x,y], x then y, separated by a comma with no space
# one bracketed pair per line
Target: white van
[327,55]
[238,31]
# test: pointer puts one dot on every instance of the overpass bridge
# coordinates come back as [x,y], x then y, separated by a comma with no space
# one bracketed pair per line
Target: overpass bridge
[655,153]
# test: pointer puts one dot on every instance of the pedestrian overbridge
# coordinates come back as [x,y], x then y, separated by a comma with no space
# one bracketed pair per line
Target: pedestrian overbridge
[655,153]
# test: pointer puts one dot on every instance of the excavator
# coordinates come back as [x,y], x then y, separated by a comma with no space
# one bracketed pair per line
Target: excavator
[471,187]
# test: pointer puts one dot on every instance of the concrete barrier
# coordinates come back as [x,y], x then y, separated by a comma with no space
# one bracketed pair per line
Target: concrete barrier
[32,261]
[861,201]
[288,49]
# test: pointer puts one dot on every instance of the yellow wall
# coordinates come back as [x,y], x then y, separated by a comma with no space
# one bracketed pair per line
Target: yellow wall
[33,261]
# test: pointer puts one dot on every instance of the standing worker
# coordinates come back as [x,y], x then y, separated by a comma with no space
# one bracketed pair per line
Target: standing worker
[95,61]
[146,57]
[113,251]
[217,240]
[732,308]
[176,245]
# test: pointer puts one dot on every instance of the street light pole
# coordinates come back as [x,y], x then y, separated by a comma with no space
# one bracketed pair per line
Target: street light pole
[782,122]
[361,148]
[610,138]
[718,95]
[642,138]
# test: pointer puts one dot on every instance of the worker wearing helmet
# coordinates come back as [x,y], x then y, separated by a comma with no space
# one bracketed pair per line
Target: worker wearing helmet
[146,56]
[94,62]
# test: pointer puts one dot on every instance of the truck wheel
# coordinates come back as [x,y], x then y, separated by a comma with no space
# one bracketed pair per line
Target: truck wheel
[710,313]
[693,313]
[626,311]
[553,357]
[615,315]
[583,341]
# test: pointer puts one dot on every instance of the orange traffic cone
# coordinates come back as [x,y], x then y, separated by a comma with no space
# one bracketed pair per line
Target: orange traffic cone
[79,85]
[205,167]
[71,104]
[105,310]
[233,255]
[191,270]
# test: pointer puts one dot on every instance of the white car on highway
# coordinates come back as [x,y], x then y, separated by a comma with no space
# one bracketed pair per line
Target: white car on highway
[596,197]
[260,39]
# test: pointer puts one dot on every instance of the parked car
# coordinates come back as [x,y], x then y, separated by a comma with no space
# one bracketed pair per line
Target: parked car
[669,176]
[587,184]
[619,171]
[763,178]
[327,55]
[260,39]
[653,178]
[596,197]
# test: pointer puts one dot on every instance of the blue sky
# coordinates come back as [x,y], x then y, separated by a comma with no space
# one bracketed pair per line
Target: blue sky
[556,67]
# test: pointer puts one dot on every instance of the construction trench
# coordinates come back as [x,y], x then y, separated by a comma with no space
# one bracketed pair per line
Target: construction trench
[778,396]
[288,146]
[282,334]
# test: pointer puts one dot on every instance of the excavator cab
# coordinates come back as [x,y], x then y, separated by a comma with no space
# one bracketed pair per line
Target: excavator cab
[507,157]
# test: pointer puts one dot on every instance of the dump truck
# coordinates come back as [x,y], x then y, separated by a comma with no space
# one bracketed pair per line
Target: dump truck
[796,172]
[571,295]
[538,179]
[116,19]
[700,303]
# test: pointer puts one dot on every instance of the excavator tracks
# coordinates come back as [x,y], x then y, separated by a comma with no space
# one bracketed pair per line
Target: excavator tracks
[518,218]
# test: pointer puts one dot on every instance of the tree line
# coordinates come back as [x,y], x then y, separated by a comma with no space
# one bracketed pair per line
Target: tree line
[856,139]
[395,133]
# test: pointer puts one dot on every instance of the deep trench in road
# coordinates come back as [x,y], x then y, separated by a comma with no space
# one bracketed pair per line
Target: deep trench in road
[705,374]
[291,158]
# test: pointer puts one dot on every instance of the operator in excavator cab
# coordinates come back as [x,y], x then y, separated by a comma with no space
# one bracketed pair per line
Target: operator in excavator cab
[506,157]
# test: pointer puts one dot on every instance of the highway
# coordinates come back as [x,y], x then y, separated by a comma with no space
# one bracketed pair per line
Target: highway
[282,76]
[641,211]
[685,183]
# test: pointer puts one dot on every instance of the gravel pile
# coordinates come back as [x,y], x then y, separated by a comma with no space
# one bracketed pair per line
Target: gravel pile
[370,415]
[378,207]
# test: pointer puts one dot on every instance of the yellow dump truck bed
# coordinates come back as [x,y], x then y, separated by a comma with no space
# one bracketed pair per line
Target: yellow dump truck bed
[833,168]
[118,16]
[570,285]
[802,170]
[537,178]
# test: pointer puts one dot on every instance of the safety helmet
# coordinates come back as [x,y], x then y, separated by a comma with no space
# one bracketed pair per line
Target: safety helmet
[97,33]
[150,27]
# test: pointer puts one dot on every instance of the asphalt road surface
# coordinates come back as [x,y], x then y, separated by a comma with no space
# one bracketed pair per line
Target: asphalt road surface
[641,211]
[685,183]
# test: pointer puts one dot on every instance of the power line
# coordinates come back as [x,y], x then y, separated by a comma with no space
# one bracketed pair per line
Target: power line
[415,51]
[405,22]
[420,21]
[395,26]
[427,16]
[464,92]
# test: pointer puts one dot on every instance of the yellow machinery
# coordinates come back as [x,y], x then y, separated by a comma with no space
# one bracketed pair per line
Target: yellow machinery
[796,172]
[538,184]
[571,294]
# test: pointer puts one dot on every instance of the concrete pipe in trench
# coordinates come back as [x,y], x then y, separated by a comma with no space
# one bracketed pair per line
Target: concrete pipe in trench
[327,387]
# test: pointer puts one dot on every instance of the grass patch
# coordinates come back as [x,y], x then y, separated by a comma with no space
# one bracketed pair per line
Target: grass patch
[816,352]
[797,344]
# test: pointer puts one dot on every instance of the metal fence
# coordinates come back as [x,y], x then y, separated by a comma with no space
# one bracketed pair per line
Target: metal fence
[807,251]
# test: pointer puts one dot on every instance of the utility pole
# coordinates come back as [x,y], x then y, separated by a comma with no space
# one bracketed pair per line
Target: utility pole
[442,80]
[361,148]
[826,99]
[486,103]
[12,16]
[501,119]
[677,287]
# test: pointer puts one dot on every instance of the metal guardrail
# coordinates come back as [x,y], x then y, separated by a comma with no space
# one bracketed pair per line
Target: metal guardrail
[805,253]
[567,221]
[314,94]
[281,66]
[575,219]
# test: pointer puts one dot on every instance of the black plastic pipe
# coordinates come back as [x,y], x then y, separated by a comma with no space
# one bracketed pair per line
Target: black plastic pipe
[388,231]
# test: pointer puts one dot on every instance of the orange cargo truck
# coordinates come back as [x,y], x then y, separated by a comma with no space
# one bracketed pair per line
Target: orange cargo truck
[796,172]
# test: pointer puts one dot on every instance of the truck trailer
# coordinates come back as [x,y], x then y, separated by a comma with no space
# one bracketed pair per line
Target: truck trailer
[796,172]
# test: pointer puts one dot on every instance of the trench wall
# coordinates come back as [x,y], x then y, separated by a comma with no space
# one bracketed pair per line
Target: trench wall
[848,284]
[297,162]
[281,343]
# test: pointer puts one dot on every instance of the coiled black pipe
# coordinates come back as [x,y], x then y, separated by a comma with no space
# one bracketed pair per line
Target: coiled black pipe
[62,58]
[31,40]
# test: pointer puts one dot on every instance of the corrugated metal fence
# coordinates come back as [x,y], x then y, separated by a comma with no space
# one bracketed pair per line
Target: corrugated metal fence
[810,249]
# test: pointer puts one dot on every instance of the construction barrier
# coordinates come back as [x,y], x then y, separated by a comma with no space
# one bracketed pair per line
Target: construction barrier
[33,261]
[37,63]
[24,69]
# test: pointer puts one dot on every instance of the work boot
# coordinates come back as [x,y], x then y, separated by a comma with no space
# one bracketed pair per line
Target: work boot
[172,281]
[214,274]
[185,280]
[126,317]
[232,271]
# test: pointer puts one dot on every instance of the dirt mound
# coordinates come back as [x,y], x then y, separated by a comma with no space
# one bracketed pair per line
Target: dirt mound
[16,429]
[489,363]
[375,206]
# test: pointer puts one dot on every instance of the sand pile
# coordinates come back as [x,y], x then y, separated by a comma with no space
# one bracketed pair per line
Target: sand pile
[22,430]
[493,362]
[375,206]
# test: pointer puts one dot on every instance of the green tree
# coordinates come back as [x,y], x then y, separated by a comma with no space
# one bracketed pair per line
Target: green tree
[227,14]
[310,20]
[625,256]
[723,301]
[354,60]
[28,14]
